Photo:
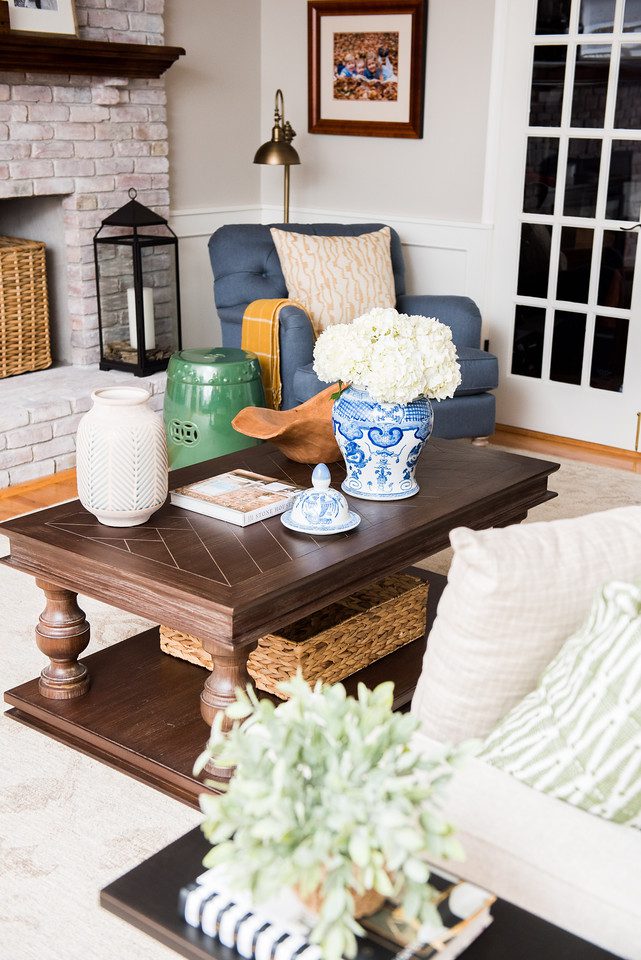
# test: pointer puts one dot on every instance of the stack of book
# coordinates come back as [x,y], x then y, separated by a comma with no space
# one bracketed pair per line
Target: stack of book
[279,929]
[239,497]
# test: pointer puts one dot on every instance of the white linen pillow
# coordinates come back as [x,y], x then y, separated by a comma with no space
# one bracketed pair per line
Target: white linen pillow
[337,278]
[513,597]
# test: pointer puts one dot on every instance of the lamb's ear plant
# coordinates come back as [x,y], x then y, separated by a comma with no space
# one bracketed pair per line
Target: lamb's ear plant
[328,796]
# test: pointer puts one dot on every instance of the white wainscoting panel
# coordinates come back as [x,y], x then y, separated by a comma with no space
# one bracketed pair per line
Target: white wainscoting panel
[200,323]
[441,257]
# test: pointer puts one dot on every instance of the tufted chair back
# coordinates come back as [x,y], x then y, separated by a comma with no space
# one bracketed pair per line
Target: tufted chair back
[246,266]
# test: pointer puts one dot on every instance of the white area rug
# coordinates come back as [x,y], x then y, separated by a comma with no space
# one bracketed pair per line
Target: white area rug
[70,825]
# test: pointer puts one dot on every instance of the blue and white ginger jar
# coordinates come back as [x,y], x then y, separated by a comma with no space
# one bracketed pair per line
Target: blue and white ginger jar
[320,510]
[381,443]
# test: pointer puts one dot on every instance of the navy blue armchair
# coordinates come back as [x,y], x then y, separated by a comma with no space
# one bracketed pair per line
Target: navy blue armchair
[246,267]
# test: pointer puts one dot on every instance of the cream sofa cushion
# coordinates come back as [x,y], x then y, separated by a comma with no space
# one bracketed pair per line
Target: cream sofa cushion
[567,866]
[337,278]
[513,598]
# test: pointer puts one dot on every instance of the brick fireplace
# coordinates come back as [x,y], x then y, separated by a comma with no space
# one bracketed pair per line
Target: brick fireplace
[84,142]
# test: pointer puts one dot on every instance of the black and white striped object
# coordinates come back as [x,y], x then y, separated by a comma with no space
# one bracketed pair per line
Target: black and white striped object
[276,931]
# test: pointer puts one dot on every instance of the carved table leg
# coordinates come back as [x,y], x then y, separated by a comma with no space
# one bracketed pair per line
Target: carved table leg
[62,634]
[229,672]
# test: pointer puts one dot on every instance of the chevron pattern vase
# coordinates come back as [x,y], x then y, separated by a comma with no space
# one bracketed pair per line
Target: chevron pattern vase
[121,457]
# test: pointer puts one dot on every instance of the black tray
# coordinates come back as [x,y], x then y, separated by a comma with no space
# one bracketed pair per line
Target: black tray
[147,897]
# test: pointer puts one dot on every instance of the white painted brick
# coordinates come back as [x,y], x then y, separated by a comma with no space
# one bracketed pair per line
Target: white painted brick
[31,471]
[3,441]
[66,426]
[4,479]
[51,410]
[66,462]
[13,458]
[13,418]
[52,186]
[26,436]
[70,119]
[54,448]
[16,188]
[80,404]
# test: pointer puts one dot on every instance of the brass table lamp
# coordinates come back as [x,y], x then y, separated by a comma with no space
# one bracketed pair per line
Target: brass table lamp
[279,151]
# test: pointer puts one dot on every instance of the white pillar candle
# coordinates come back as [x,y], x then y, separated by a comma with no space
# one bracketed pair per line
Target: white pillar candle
[148,314]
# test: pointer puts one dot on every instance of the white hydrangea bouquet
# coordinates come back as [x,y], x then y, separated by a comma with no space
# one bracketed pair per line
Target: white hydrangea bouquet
[394,357]
[396,364]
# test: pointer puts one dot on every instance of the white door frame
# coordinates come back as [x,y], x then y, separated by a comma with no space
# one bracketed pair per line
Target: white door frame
[581,412]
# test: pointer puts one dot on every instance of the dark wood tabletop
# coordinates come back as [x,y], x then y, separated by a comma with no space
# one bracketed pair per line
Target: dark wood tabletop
[214,579]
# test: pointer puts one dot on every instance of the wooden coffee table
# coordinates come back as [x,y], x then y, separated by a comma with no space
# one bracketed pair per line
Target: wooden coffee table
[136,708]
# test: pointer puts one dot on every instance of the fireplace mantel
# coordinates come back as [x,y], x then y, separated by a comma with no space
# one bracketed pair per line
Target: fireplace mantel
[47,53]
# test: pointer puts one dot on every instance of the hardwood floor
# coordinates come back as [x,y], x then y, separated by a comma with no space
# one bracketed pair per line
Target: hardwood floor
[44,492]
[51,490]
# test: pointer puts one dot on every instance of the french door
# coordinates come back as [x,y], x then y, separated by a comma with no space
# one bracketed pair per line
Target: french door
[567,269]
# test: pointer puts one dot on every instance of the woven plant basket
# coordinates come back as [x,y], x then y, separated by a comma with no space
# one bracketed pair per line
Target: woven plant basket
[331,644]
[24,307]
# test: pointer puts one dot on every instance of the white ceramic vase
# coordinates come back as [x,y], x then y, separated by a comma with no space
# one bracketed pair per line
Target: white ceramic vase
[121,457]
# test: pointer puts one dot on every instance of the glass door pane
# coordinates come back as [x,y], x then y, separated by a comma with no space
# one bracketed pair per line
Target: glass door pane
[591,73]
[627,113]
[548,79]
[582,177]
[597,16]
[569,252]
[553,16]
[632,16]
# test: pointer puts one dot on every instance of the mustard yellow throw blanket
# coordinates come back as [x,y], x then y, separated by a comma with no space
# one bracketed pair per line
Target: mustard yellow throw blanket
[260,335]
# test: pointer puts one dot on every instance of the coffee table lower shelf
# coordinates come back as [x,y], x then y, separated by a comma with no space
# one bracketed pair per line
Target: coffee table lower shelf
[141,714]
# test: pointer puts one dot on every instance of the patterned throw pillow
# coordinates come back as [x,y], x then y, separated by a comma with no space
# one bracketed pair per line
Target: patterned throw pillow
[337,278]
[577,737]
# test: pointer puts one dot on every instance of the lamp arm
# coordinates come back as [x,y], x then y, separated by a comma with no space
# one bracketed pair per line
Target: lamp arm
[279,107]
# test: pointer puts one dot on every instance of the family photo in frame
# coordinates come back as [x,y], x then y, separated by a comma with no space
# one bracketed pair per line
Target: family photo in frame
[366,63]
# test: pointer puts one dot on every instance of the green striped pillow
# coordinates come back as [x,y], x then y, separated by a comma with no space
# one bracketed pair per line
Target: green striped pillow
[577,737]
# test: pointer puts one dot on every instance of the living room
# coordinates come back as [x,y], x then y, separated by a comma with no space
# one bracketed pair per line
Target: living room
[500,196]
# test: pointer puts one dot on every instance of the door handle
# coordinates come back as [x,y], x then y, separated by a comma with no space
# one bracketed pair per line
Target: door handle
[627,229]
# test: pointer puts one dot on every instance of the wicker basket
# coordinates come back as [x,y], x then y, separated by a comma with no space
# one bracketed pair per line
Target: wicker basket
[332,644]
[24,307]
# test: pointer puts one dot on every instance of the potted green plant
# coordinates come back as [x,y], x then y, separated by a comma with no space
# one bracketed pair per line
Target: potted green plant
[329,798]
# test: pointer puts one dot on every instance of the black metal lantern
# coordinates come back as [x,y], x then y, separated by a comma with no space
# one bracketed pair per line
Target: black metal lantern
[138,290]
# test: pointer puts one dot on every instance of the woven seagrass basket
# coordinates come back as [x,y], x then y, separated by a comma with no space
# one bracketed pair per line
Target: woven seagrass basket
[24,307]
[331,644]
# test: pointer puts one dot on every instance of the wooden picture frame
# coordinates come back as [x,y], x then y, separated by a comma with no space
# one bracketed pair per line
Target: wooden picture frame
[366,63]
[4,16]
[43,16]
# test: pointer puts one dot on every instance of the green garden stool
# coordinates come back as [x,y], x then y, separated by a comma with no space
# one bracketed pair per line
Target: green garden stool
[206,388]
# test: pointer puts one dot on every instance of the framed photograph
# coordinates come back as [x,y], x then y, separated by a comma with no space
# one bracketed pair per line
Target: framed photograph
[43,16]
[367,67]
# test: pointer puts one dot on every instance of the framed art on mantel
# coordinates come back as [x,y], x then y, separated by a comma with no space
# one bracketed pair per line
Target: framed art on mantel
[43,16]
[366,61]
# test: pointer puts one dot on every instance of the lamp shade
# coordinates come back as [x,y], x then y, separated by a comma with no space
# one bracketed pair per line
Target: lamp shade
[278,153]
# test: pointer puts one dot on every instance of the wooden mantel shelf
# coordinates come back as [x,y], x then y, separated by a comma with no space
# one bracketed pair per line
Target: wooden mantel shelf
[48,53]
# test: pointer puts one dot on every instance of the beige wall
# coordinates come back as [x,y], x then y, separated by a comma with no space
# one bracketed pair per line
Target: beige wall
[213,102]
[213,105]
[439,177]
[220,107]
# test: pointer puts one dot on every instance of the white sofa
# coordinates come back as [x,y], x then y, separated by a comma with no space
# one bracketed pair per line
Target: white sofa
[569,867]
[513,598]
